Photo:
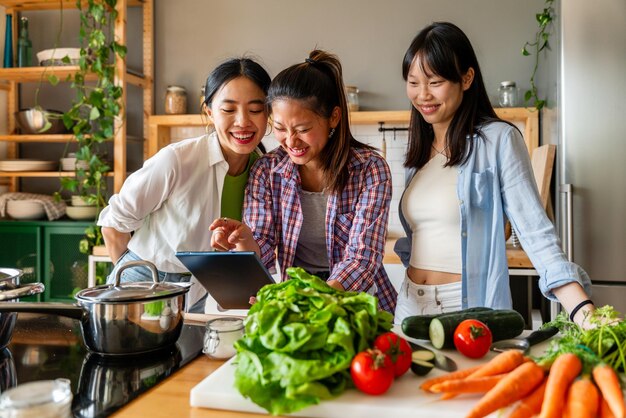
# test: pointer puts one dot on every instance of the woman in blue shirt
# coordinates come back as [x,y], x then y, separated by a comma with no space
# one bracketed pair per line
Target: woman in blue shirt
[470,171]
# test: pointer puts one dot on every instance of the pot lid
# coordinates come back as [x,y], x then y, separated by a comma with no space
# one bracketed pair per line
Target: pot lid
[9,273]
[132,292]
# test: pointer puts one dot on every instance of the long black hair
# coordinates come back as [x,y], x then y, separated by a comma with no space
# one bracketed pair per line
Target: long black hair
[448,53]
[317,83]
[231,69]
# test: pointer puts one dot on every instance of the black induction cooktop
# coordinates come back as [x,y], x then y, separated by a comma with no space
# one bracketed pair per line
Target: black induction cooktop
[47,347]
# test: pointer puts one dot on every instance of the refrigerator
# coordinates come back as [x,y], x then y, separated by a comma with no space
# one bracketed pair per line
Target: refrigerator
[591,142]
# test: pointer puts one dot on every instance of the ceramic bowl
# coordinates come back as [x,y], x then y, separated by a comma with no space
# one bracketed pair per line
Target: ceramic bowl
[80,213]
[25,209]
[55,56]
[80,201]
[69,164]
[31,121]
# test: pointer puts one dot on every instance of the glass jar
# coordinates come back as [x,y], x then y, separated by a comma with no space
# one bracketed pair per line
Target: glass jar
[175,100]
[507,94]
[220,337]
[352,93]
[41,399]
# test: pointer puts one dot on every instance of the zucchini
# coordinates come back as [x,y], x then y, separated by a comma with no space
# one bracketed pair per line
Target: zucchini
[417,326]
[503,324]
[422,362]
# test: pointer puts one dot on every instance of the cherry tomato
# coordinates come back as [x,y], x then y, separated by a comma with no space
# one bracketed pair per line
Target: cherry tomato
[398,350]
[472,338]
[372,372]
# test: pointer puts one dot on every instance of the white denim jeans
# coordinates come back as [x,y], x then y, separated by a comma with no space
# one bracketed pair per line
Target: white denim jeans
[420,299]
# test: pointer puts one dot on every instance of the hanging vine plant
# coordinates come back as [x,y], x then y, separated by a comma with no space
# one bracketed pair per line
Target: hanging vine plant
[98,102]
[544,20]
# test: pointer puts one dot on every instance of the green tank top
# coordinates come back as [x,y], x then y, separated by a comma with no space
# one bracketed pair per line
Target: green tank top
[233,192]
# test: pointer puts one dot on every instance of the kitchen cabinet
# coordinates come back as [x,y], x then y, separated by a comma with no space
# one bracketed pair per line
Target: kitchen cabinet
[47,251]
[12,77]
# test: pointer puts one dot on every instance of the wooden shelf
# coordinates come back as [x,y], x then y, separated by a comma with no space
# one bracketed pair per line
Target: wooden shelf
[17,174]
[21,5]
[10,78]
[35,74]
[159,125]
[37,138]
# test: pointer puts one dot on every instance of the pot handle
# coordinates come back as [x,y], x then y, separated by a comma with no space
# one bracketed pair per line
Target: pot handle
[134,263]
[21,291]
[49,308]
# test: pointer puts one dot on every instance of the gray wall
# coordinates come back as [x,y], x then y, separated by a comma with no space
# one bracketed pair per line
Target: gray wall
[370,37]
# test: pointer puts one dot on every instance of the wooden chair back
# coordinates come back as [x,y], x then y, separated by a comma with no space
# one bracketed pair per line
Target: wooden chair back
[542,160]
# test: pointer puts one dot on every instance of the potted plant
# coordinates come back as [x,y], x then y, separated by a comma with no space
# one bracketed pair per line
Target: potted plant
[92,117]
[544,20]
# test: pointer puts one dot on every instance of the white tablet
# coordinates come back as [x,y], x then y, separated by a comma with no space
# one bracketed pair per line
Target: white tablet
[230,277]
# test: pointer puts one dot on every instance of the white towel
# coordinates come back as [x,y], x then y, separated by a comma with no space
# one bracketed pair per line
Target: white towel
[54,210]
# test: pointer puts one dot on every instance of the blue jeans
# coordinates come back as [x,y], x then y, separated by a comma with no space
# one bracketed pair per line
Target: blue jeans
[143,274]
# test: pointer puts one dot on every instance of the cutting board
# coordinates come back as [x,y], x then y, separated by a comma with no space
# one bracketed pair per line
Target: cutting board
[403,400]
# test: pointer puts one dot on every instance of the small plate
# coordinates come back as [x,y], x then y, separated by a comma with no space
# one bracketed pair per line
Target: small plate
[28,165]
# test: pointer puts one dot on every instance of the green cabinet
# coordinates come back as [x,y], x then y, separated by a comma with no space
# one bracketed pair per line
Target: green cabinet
[47,251]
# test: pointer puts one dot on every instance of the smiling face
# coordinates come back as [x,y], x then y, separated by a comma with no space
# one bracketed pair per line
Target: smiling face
[434,97]
[239,115]
[300,131]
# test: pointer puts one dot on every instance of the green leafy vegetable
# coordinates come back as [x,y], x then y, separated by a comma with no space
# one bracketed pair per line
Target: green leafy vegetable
[301,336]
[604,341]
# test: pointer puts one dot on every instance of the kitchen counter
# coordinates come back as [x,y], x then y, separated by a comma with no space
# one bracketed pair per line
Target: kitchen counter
[516,256]
[170,398]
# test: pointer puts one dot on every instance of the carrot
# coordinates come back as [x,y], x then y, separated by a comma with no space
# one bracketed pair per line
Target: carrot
[563,371]
[459,374]
[608,382]
[530,405]
[605,411]
[468,385]
[514,386]
[502,363]
[583,399]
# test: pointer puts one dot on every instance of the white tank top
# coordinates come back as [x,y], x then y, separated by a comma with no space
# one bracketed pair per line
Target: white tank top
[431,208]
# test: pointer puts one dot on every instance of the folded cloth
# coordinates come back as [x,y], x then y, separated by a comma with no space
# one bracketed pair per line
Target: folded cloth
[54,210]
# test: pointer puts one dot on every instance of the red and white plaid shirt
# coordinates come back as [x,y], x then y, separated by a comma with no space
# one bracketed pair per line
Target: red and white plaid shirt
[356,219]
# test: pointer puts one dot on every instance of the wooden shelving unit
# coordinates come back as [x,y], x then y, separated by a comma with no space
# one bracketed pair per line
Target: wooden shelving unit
[160,125]
[11,77]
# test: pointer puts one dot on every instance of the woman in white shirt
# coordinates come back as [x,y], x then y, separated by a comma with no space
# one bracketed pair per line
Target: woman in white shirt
[169,204]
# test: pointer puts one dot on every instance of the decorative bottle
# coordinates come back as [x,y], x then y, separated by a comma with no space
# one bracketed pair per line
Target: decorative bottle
[24,45]
[8,42]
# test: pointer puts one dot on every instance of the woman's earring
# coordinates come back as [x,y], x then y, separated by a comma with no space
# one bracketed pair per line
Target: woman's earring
[271,127]
[332,132]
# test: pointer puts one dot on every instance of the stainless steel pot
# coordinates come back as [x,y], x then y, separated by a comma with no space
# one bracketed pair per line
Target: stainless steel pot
[127,318]
[10,289]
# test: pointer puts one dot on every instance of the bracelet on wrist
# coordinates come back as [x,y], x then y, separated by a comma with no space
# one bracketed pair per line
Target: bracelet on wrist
[577,308]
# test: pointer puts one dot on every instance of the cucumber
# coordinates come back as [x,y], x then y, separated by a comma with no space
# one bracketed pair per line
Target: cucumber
[503,324]
[417,326]
[422,362]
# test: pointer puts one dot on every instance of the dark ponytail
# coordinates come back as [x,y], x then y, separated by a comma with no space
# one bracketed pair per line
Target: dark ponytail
[318,84]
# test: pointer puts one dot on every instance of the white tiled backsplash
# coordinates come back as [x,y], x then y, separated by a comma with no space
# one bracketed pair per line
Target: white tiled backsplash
[368,134]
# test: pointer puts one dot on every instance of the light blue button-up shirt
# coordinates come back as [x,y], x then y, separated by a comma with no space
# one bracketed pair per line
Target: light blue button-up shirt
[496,183]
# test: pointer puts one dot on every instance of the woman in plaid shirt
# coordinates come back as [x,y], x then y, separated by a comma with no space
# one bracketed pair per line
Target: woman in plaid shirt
[321,200]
